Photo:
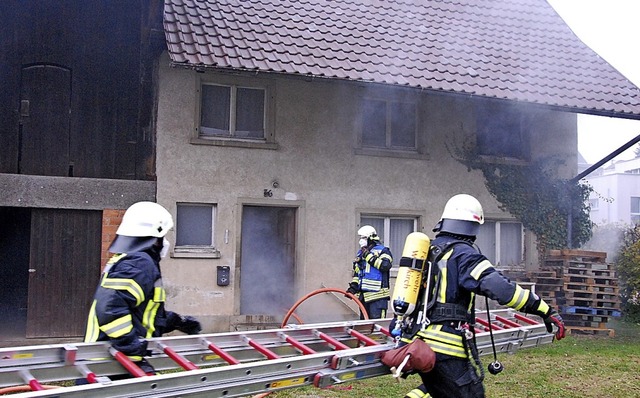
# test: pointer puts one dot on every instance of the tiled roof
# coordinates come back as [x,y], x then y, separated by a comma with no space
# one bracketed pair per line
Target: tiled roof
[511,49]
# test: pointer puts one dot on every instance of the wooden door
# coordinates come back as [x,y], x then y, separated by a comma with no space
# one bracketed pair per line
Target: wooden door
[64,269]
[45,107]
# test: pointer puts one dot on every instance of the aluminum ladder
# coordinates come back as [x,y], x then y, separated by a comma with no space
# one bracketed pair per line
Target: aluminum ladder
[237,364]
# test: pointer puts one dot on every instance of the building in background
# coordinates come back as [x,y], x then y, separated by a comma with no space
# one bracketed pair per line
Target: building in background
[616,193]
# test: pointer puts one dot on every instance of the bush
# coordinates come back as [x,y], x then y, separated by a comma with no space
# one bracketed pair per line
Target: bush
[628,268]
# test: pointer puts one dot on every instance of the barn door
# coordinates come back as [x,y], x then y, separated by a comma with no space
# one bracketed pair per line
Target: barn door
[64,269]
[45,107]
[267,269]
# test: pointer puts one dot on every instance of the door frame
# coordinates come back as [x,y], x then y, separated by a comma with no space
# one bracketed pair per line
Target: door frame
[299,269]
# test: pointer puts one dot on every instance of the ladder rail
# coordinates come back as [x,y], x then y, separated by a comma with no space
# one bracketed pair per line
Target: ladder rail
[237,363]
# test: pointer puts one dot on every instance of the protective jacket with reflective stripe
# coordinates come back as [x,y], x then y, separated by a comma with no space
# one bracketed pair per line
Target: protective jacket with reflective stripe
[371,273]
[463,272]
[129,304]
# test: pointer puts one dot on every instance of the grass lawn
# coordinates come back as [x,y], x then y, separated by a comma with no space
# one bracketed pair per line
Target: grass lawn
[575,367]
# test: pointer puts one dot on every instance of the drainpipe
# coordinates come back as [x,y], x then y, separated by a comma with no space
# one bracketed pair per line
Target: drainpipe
[588,171]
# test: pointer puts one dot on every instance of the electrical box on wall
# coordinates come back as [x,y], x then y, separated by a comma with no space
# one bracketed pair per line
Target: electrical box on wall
[223,275]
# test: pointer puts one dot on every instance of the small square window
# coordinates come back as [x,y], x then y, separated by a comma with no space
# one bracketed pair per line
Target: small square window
[232,111]
[501,242]
[388,124]
[195,226]
[502,131]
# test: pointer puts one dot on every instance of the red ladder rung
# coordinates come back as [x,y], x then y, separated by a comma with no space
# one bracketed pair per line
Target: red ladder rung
[335,343]
[525,319]
[33,383]
[303,348]
[179,359]
[127,363]
[365,339]
[89,375]
[486,324]
[221,353]
[262,349]
[507,322]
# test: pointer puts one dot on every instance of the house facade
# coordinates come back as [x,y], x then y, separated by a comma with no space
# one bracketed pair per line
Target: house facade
[283,212]
[271,131]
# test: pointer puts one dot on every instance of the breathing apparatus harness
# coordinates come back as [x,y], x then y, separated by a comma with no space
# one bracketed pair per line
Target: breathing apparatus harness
[442,312]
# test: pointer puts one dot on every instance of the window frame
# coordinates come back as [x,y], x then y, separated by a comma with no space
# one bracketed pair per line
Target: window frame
[489,111]
[196,251]
[234,82]
[387,217]
[391,96]
[495,257]
[634,217]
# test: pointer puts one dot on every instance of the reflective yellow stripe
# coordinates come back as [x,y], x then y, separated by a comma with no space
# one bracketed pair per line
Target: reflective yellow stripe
[382,293]
[149,316]
[416,393]
[128,285]
[371,284]
[519,299]
[442,292]
[443,342]
[379,260]
[543,307]
[93,329]
[119,327]
[159,295]
[481,267]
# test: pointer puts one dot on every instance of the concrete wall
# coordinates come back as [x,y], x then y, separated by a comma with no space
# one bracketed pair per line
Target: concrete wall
[320,170]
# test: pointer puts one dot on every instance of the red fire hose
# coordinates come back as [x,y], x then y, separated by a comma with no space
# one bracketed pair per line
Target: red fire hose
[323,290]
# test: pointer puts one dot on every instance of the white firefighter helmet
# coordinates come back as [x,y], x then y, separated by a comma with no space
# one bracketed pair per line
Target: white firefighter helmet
[142,224]
[462,215]
[367,231]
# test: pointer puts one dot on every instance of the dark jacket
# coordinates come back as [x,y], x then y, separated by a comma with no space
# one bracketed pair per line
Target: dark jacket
[128,305]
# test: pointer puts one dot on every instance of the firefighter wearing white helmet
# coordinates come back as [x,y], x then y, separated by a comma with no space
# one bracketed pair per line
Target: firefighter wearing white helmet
[128,306]
[461,272]
[370,278]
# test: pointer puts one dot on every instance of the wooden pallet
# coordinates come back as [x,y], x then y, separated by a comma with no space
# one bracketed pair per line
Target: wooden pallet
[579,330]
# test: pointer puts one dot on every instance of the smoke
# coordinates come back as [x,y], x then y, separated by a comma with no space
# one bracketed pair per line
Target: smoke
[607,238]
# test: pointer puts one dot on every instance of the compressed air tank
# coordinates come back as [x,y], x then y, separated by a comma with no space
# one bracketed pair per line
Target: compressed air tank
[407,287]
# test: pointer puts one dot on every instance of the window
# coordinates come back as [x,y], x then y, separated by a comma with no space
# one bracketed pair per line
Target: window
[232,111]
[195,224]
[235,111]
[501,242]
[502,131]
[388,124]
[635,210]
[392,231]
[593,204]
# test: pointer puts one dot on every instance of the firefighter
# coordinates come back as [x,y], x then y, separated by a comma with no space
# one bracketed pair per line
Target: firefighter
[461,272]
[371,267]
[128,306]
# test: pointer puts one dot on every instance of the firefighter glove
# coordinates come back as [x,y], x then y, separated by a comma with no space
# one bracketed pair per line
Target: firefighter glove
[146,367]
[353,288]
[364,251]
[554,319]
[131,346]
[189,325]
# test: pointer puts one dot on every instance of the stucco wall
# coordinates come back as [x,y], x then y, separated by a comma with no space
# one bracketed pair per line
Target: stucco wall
[320,171]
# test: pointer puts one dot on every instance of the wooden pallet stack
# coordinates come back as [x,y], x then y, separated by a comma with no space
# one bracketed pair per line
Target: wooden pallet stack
[590,294]
[580,284]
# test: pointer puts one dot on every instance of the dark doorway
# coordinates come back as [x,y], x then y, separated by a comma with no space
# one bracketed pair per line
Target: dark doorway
[14,271]
[267,269]
[45,114]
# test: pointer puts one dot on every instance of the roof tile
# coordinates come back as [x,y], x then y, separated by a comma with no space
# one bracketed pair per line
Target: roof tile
[514,49]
